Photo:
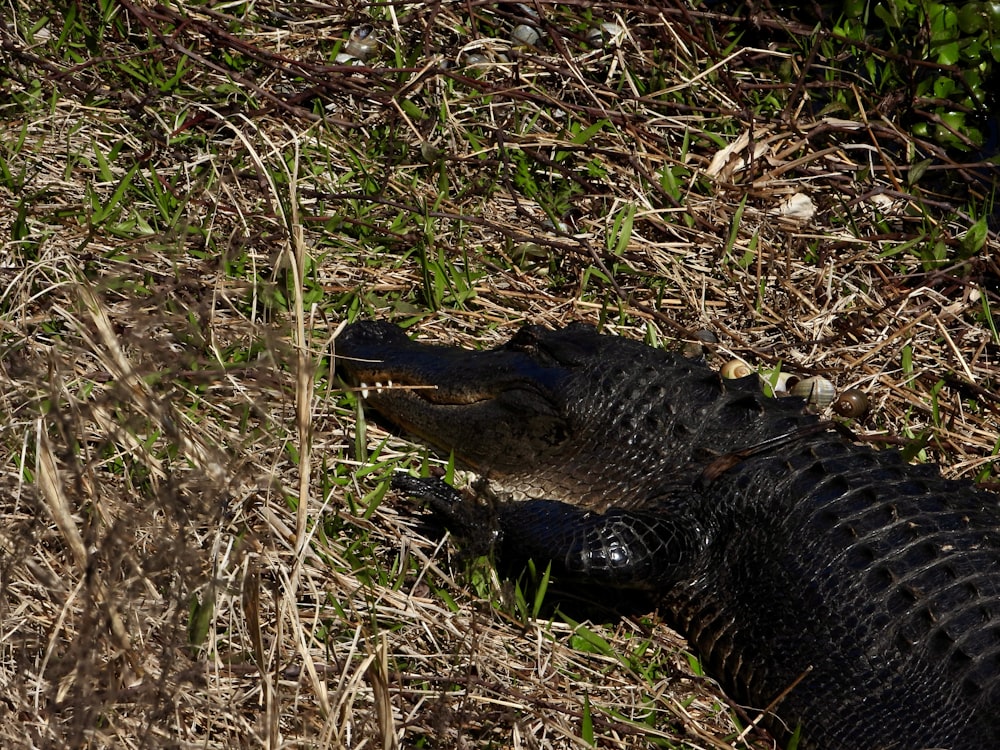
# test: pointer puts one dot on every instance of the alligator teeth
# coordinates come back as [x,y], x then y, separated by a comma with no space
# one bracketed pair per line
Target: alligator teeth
[366,388]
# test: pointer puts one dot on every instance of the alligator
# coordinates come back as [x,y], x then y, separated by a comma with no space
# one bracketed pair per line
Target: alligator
[853,595]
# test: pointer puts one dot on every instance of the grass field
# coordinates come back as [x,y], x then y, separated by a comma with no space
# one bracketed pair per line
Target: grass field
[199,547]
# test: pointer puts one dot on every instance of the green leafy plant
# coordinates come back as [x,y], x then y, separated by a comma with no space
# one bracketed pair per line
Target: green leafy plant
[962,40]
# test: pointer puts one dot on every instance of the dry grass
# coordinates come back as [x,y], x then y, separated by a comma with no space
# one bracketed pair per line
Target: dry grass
[197,549]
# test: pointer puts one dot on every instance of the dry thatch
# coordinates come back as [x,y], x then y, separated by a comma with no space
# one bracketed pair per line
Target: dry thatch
[198,547]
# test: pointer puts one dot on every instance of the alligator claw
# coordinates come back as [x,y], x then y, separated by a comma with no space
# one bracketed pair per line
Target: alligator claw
[475,523]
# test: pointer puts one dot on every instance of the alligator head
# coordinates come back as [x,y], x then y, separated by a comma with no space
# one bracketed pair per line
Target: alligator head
[498,411]
[549,412]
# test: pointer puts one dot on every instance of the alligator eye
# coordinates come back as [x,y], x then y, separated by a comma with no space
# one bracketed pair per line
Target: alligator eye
[556,435]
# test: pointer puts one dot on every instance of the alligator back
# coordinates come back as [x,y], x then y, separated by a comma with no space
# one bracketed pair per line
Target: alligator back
[871,586]
[854,594]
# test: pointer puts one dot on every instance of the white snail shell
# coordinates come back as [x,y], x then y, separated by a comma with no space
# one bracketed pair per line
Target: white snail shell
[783,382]
[473,58]
[817,391]
[605,35]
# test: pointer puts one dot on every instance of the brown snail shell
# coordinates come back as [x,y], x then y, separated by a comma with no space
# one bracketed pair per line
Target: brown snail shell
[817,391]
[735,368]
[696,348]
[692,350]
[852,403]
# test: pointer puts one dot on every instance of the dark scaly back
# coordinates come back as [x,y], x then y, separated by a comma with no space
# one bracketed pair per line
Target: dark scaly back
[656,414]
[871,582]
[881,578]
[863,590]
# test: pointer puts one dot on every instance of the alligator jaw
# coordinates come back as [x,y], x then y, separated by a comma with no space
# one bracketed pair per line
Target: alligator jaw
[379,357]
[460,401]
[379,382]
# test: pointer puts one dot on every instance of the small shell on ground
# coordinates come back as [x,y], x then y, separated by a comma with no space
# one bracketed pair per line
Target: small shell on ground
[429,152]
[692,350]
[362,43]
[735,368]
[852,403]
[695,349]
[707,336]
[605,35]
[524,36]
[469,59]
[783,382]
[817,391]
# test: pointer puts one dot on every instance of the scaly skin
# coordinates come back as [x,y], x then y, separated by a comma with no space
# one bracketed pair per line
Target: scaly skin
[787,555]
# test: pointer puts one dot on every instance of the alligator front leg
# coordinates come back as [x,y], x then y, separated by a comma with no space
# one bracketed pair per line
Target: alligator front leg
[619,548]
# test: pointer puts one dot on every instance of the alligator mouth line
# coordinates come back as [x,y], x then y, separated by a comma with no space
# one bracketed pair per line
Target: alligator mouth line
[423,391]
[381,385]
[383,364]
